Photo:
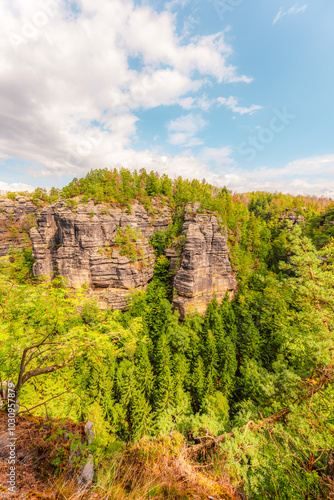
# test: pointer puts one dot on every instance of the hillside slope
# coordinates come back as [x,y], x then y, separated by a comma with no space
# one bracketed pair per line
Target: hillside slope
[216,370]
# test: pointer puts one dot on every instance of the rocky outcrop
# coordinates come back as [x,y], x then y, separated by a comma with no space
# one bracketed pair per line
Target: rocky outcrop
[201,263]
[292,217]
[108,249]
[16,218]
[104,247]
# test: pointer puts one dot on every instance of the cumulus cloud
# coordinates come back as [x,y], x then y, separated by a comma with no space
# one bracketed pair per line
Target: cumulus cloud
[217,156]
[69,98]
[290,12]
[15,186]
[313,176]
[183,130]
[306,176]
[200,102]
[232,104]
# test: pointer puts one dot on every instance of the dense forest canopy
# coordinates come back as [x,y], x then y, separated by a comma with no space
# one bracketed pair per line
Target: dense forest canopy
[257,369]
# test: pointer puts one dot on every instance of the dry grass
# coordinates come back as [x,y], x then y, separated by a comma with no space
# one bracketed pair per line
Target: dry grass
[155,469]
[159,469]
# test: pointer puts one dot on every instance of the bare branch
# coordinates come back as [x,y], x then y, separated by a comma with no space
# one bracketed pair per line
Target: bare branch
[40,404]
[46,369]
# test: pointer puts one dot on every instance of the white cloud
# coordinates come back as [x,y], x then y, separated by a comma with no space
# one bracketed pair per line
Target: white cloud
[313,176]
[217,156]
[183,130]
[64,74]
[202,102]
[306,176]
[232,104]
[15,186]
[290,12]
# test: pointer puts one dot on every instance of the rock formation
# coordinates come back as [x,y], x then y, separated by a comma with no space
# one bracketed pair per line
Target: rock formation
[108,248]
[292,217]
[202,267]
[85,245]
[16,218]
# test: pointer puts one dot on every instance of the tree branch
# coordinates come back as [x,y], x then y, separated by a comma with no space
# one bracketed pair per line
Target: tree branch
[257,426]
[46,369]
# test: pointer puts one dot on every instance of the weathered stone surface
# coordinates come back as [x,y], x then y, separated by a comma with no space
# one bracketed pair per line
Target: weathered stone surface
[80,245]
[16,216]
[87,473]
[89,432]
[292,217]
[204,266]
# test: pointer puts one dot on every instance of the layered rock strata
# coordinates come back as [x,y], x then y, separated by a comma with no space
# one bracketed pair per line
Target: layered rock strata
[202,267]
[16,218]
[83,246]
[108,249]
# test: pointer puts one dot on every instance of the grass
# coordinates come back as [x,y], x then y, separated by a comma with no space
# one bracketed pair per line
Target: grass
[155,469]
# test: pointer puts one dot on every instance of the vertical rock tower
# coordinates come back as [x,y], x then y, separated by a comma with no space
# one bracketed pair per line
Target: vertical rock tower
[202,267]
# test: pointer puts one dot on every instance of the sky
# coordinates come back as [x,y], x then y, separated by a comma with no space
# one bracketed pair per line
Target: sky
[237,92]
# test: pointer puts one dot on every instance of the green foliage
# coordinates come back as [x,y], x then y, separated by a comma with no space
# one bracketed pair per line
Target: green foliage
[73,450]
[17,265]
[129,241]
[268,352]
[90,313]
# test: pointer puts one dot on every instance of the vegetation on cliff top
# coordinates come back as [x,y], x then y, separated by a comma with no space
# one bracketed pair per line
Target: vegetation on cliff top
[244,394]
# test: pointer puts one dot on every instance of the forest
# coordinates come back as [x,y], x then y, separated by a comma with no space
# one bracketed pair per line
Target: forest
[243,395]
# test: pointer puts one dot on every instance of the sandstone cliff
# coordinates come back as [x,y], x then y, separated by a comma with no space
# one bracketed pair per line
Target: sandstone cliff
[109,249]
[202,267]
[16,218]
[104,247]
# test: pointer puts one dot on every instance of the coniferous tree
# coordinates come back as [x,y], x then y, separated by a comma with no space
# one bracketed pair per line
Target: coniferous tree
[141,415]
[180,373]
[126,393]
[143,370]
[198,384]
[211,361]
[164,394]
[228,318]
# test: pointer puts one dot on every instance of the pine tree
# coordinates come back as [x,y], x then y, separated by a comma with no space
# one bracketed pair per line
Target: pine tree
[141,415]
[198,384]
[228,318]
[180,373]
[211,361]
[126,392]
[164,394]
[143,370]
[249,338]
[227,366]
[213,321]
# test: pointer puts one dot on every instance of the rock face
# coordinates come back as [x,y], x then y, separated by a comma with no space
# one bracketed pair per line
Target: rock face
[16,218]
[292,217]
[101,246]
[203,268]
[108,248]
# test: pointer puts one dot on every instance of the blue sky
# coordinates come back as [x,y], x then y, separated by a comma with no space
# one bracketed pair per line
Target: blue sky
[237,92]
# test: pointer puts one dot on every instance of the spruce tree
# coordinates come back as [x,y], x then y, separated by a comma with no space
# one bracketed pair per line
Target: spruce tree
[141,415]
[228,318]
[164,393]
[198,381]
[143,370]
